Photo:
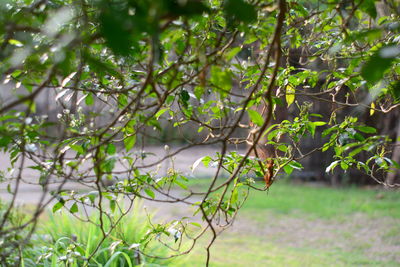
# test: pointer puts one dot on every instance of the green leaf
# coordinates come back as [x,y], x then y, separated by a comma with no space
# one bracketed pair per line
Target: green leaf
[255,117]
[364,35]
[5,140]
[101,67]
[111,149]
[58,206]
[149,192]
[78,148]
[109,164]
[344,165]
[316,115]
[239,11]
[184,98]
[328,131]
[381,162]
[122,101]
[206,161]
[395,90]
[332,166]
[375,68]
[368,6]
[232,53]
[187,8]
[117,28]
[196,224]
[359,137]
[129,142]
[73,209]
[160,112]
[184,95]
[199,91]
[296,165]
[283,148]
[392,162]
[355,151]
[288,169]
[319,123]
[89,99]
[92,196]
[366,129]
[221,78]
[112,205]
[234,196]
[273,134]
[181,185]
[311,128]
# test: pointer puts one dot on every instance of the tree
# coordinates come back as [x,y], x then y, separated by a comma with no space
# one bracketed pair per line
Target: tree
[89,83]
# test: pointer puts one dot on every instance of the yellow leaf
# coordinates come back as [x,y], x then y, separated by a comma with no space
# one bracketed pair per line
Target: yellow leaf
[372,109]
[290,95]
[15,42]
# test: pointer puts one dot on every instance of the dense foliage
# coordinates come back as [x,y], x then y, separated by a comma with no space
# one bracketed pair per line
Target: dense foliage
[87,84]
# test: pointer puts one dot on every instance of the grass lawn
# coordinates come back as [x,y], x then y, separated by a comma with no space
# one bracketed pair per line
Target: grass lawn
[300,225]
[325,202]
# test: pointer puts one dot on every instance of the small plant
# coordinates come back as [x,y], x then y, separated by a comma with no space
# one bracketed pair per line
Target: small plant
[13,242]
[66,240]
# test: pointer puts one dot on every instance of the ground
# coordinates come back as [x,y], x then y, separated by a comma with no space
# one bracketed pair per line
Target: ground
[291,225]
[304,225]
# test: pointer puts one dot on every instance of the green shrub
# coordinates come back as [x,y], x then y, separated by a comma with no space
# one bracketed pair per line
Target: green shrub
[64,240]
[14,238]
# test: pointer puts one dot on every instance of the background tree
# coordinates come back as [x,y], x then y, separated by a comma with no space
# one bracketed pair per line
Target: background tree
[87,84]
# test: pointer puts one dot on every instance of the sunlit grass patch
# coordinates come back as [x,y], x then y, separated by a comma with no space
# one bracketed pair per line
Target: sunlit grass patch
[250,250]
[319,201]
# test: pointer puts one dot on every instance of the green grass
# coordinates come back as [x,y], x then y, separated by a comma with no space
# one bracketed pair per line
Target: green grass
[325,202]
[247,250]
[308,204]
[320,202]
